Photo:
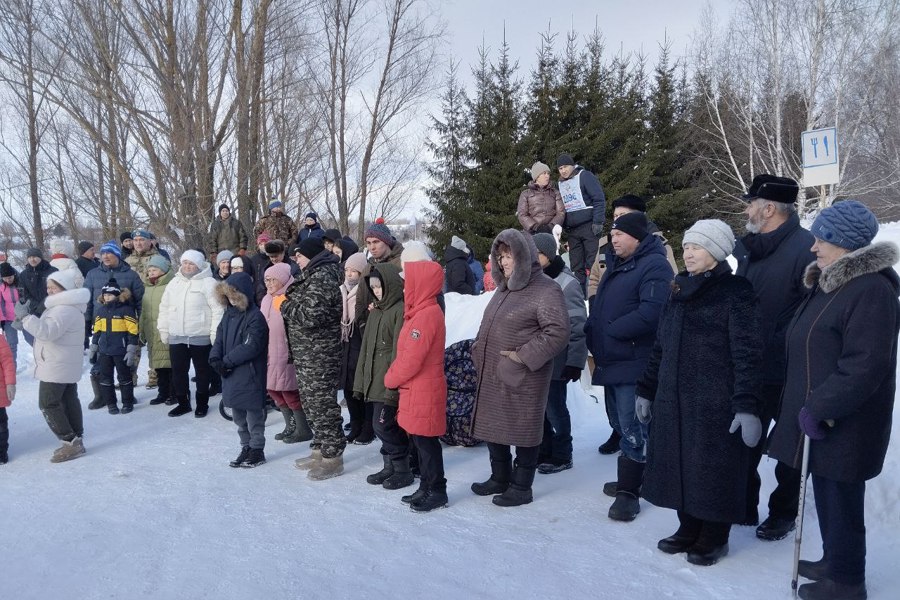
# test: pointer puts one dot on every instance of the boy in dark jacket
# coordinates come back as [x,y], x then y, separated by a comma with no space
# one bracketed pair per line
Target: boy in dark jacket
[114,345]
[239,357]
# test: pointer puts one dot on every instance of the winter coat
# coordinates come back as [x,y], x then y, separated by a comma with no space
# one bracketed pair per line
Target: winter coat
[9,295]
[774,263]
[280,373]
[527,314]
[703,369]
[115,325]
[279,227]
[599,266]
[242,338]
[189,312]
[86,265]
[7,371]
[583,199]
[575,353]
[540,205]
[418,367]
[842,365]
[459,277]
[126,278]
[363,297]
[379,344]
[59,337]
[306,232]
[33,286]
[477,271]
[625,312]
[140,262]
[149,319]
[312,316]
[226,234]
[260,263]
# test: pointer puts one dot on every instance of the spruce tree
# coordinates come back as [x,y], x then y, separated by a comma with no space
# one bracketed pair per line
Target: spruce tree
[541,107]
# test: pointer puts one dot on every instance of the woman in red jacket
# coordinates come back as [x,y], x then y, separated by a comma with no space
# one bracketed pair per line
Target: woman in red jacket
[418,371]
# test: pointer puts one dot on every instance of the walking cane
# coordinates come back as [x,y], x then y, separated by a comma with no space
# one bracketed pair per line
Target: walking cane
[798,536]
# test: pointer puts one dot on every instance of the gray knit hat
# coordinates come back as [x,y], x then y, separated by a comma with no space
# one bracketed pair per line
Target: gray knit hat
[538,169]
[712,235]
[459,244]
[159,261]
[224,255]
[546,244]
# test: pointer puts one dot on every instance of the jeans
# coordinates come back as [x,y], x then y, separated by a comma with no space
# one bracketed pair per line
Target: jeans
[251,426]
[842,522]
[557,442]
[620,399]
[12,338]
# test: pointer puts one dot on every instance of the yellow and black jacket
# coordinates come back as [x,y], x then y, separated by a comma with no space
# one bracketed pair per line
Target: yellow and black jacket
[115,325]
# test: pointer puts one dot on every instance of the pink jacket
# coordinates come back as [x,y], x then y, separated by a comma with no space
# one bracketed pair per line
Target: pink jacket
[280,374]
[8,298]
[7,371]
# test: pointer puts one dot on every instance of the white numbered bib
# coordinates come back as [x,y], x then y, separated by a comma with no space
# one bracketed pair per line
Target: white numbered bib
[570,190]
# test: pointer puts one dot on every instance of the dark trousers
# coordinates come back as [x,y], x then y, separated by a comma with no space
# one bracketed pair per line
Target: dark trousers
[61,409]
[431,461]
[526,456]
[164,383]
[786,496]
[583,246]
[182,356]
[109,365]
[394,441]
[4,431]
[708,534]
[840,506]
[557,441]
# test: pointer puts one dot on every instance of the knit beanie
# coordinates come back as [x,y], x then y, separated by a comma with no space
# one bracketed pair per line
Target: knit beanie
[459,244]
[632,202]
[712,235]
[84,247]
[357,262]
[546,244]
[634,224]
[125,235]
[848,224]
[415,251]
[276,203]
[280,271]
[224,255]
[381,232]
[313,216]
[195,257]
[66,278]
[34,252]
[111,247]
[223,207]
[565,159]
[111,287]
[237,261]
[310,247]
[160,262]
[332,235]
[6,270]
[263,238]
[538,169]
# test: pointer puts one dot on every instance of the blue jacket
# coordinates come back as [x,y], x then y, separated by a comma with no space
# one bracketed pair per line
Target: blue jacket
[315,231]
[477,270]
[622,324]
[126,277]
[115,325]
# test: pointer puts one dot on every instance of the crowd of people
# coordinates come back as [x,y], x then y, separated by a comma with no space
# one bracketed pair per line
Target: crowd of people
[695,364]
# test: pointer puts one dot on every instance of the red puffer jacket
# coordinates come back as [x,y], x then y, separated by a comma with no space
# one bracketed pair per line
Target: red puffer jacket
[8,371]
[418,369]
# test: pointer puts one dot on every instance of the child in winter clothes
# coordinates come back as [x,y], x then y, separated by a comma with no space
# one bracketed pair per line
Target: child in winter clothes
[281,376]
[239,356]
[114,345]
[9,296]
[58,360]
[418,372]
[379,346]
[7,395]
[361,431]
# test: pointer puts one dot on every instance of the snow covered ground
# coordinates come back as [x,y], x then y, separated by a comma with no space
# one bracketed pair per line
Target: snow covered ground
[154,511]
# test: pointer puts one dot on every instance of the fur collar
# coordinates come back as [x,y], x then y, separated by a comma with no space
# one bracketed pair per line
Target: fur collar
[124,297]
[79,298]
[229,296]
[866,260]
[525,257]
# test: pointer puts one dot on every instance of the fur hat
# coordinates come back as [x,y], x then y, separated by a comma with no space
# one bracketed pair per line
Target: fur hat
[565,159]
[310,247]
[381,232]
[66,278]
[275,247]
[546,244]
[634,224]
[848,224]
[125,235]
[632,202]
[538,169]
[195,257]
[770,187]
[712,235]
[111,247]
[6,270]
[357,262]
[84,247]
[223,256]
[160,262]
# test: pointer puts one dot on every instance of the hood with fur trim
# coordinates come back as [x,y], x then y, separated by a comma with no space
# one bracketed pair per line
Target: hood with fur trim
[873,258]
[124,297]
[236,291]
[525,257]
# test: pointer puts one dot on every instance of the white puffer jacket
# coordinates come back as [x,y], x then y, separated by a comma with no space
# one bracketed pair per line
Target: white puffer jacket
[188,307]
[59,337]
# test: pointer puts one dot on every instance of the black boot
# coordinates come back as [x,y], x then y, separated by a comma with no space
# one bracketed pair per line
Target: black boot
[183,407]
[431,500]
[827,589]
[775,528]
[99,401]
[519,490]
[610,446]
[684,538]
[814,571]
[302,432]
[402,475]
[255,458]
[289,423]
[711,546]
[366,434]
[628,490]
[410,498]
[501,470]
[108,394]
[202,406]
[127,398]
[245,452]
[380,477]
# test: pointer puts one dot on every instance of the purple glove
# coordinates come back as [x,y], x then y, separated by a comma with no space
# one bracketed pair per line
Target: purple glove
[811,426]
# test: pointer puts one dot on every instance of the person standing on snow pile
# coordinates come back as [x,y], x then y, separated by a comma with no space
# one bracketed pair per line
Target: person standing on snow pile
[226,233]
[840,388]
[126,243]
[159,275]
[277,225]
[139,260]
[59,360]
[114,345]
[239,357]
[540,204]
[311,228]
[524,326]
[585,204]
[702,383]
[361,429]
[458,277]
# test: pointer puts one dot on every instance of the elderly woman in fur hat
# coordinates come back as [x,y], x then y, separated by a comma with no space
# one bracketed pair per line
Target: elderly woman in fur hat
[702,381]
[525,325]
[839,388]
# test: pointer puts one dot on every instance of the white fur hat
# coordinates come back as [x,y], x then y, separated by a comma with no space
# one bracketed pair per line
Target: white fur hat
[68,279]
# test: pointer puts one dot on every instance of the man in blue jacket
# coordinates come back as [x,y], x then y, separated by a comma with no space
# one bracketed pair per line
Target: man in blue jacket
[620,332]
[585,204]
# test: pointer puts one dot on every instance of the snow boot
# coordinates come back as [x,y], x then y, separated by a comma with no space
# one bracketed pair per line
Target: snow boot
[202,406]
[814,571]
[554,465]
[255,458]
[183,407]
[99,401]
[245,452]
[631,475]
[683,539]
[327,468]
[302,432]
[289,423]
[410,498]
[366,434]
[610,488]
[158,400]
[308,462]
[68,451]
[499,480]
[433,499]
[775,528]
[610,446]
[152,379]
[401,477]
[108,393]
[381,476]
[519,490]
[712,545]
[127,398]
[4,457]
[827,589]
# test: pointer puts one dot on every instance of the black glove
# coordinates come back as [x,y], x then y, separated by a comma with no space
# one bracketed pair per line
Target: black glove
[92,353]
[571,373]
[217,365]
[225,372]
[597,229]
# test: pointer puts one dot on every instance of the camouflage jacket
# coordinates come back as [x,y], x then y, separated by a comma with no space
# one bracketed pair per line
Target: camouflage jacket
[139,263]
[279,227]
